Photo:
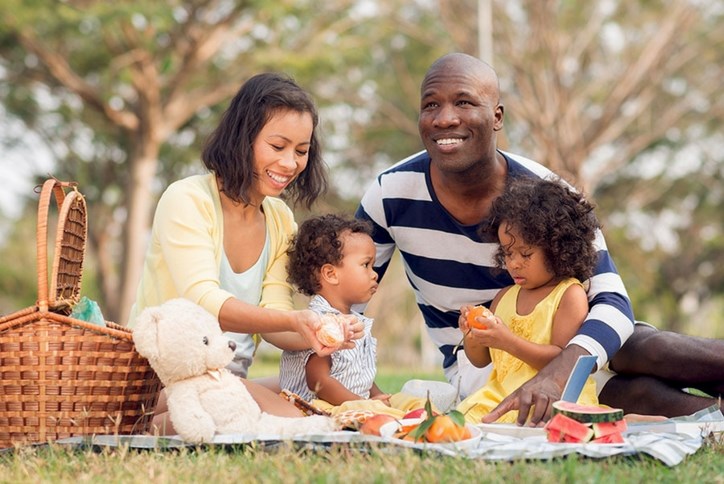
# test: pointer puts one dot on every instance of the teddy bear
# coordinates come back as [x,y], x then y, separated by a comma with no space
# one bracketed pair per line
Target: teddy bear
[184,344]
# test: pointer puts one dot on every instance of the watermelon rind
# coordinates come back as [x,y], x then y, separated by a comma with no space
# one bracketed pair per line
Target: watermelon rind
[587,413]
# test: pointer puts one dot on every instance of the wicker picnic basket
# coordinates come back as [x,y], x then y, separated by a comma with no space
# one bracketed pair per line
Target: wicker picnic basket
[59,376]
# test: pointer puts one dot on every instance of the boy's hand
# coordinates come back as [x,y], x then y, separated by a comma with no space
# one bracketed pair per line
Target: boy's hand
[383,397]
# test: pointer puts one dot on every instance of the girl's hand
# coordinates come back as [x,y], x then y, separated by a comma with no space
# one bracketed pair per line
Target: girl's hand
[494,336]
[463,319]
[463,325]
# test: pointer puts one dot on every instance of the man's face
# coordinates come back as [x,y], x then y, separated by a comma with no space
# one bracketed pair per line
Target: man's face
[459,114]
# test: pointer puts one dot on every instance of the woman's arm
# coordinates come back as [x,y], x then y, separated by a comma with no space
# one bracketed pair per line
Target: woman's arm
[287,340]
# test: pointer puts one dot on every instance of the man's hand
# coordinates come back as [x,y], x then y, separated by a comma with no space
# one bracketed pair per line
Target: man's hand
[534,399]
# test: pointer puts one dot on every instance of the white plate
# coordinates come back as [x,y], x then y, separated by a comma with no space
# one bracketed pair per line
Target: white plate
[388,430]
[512,430]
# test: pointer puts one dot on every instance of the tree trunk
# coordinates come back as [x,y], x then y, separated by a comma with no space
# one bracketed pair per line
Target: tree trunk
[143,171]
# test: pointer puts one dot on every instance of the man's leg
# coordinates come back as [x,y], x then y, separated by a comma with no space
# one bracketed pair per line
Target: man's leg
[652,368]
[681,361]
[650,396]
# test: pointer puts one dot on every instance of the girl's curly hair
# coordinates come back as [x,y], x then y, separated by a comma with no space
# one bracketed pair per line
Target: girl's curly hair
[549,215]
[317,242]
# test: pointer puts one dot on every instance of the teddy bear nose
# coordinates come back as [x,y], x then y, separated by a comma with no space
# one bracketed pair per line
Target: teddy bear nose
[232,345]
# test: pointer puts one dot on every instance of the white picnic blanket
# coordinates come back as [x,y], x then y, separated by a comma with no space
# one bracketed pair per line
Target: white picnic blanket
[669,441]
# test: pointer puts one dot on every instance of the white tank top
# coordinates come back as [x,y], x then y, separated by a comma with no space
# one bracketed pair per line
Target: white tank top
[246,286]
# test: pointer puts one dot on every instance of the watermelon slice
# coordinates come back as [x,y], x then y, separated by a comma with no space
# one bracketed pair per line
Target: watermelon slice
[603,429]
[554,435]
[587,413]
[562,428]
[613,438]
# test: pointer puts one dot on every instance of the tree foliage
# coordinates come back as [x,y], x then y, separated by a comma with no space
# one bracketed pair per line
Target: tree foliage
[623,98]
[604,93]
[122,93]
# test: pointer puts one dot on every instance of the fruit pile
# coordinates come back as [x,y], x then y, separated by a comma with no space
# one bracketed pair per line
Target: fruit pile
[427,426]
[575,423]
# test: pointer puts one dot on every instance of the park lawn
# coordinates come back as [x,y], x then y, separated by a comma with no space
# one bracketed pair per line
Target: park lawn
[286,464]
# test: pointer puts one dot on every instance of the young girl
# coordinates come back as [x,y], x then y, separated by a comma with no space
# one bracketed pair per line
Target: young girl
[545,233]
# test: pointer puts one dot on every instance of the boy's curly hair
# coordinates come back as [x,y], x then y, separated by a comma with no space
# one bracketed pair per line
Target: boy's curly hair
[317,242]
[549,215]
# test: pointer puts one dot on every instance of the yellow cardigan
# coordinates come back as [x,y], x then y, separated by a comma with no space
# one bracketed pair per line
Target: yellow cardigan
[184,253]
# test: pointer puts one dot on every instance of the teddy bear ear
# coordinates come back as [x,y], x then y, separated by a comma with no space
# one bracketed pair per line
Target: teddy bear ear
[145,332]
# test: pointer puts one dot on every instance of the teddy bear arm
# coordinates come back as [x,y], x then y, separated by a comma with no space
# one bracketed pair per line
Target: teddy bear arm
[189,417]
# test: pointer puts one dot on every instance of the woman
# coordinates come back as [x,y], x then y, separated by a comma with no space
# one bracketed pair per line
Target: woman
[220,239]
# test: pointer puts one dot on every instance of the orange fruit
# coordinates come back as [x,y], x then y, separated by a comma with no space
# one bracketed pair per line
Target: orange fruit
[372,425]
[444,429]
[478,311]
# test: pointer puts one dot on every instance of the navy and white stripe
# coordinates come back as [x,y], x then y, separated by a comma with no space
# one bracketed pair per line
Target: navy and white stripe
[355,368]
[448,265]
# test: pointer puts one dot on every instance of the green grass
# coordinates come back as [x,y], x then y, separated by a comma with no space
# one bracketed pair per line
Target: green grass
[287,464]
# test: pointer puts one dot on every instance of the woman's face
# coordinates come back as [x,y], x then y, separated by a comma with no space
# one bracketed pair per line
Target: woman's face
[281,151]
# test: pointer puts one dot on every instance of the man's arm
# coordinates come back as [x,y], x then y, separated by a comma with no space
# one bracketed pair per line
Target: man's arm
[610,319]
[536,396]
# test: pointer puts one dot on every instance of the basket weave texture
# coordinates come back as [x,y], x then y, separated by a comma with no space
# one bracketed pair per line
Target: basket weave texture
[59,376]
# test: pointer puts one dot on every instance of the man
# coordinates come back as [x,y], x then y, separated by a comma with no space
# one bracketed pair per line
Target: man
[430,206]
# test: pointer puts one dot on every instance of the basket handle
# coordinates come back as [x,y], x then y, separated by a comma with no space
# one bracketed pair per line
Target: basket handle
[56,188]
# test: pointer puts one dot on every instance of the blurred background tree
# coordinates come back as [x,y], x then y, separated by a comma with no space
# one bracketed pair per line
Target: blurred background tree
[623,98]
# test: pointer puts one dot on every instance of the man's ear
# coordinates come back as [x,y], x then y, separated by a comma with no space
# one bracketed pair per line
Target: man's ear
[328,273]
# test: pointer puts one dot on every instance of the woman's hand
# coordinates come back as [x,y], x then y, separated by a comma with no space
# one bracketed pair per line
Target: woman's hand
[306,324]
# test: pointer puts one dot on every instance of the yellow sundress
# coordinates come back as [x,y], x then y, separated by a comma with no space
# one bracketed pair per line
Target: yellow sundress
[509,372]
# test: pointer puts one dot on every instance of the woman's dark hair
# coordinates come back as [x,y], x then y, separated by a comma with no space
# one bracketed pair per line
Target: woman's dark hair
[549,215]
[229,149]
[317,242]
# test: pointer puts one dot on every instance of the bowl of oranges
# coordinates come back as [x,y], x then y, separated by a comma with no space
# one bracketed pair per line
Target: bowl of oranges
[448,430]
